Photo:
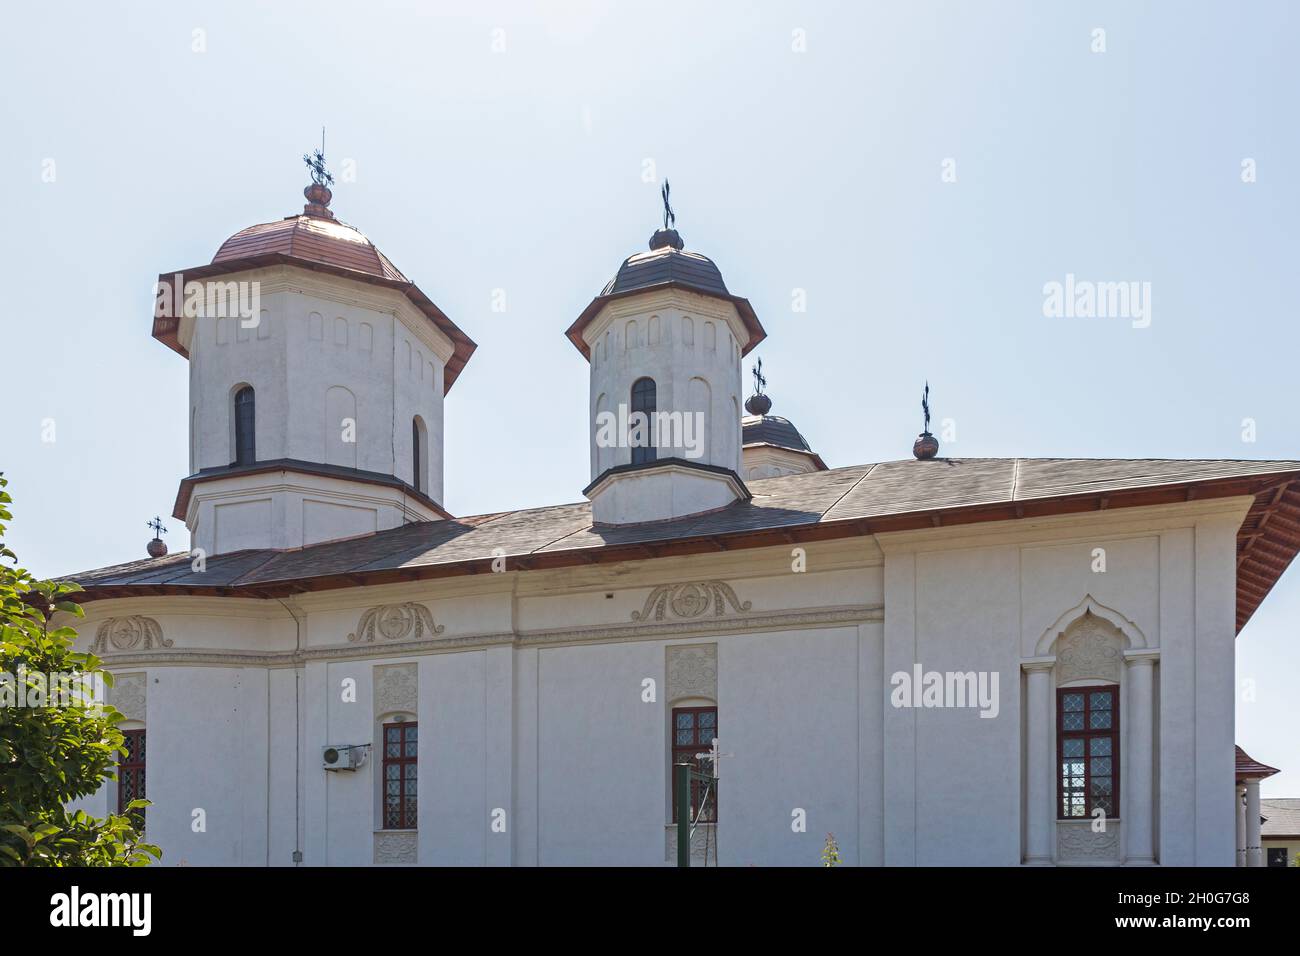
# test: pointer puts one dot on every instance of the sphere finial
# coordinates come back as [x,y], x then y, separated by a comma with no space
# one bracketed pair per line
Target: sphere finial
[157,548]
[668,235]
[318,193]
[926,445]
[758,403]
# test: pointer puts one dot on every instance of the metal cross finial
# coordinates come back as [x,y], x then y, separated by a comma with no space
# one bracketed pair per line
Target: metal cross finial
[157,526]
[316,163]
[760,380]
[670,217]
[925,407]
[714,757]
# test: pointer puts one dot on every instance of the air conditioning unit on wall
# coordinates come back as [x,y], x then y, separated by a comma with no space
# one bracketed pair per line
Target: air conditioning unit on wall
[344,756]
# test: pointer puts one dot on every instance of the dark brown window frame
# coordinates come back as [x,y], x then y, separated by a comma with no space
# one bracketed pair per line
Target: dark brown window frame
[686,753]
[1087,734]
[132,768]
[407,817]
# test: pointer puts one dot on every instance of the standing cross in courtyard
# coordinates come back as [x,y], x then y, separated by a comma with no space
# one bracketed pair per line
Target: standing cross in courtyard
[714,756]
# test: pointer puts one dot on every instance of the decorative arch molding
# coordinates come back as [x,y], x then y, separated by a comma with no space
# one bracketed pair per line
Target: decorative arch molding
[1090,606]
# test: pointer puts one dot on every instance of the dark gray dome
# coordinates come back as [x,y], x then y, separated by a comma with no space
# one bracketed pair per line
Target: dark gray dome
[772,430]
[667,265]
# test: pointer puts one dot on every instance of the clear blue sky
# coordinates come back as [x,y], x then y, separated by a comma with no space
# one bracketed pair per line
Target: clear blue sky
[522,170]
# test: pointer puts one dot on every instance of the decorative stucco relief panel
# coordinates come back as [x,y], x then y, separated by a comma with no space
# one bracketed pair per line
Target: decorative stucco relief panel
[396,622]
[692,671]
[130,695]
[1091,648]
[1078,843]
[396,848]
[690,600]
[134,633]
[397,688]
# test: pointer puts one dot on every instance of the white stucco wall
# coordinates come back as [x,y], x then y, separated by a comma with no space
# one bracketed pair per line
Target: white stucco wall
[529,696]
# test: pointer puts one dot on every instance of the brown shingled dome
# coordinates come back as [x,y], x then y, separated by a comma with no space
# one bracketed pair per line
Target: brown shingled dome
[314,239]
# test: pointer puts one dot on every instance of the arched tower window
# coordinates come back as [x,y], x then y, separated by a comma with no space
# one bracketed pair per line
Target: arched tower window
[643,400]
[245,426]
[419,454]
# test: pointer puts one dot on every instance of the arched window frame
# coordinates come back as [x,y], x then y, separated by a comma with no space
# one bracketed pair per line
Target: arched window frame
[419,455]
[244,430]
[1088,747]
[644,398]
[398,759]
[692,726]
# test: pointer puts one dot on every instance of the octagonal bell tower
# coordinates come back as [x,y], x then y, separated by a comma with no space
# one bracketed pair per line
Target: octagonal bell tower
[317,377]
[665,339]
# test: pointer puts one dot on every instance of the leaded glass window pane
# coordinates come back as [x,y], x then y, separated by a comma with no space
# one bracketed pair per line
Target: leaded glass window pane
[1088,741]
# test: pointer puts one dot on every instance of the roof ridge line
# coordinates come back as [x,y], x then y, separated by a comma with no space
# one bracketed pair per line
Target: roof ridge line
[234,583]
[873,467]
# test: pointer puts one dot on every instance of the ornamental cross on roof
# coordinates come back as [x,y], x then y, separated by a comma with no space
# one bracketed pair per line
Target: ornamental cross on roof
[760,380]
[925,407]
[157,526]
[670,217]
[316,163]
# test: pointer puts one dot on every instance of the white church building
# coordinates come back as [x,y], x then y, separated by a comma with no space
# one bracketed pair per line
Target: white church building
[939,661]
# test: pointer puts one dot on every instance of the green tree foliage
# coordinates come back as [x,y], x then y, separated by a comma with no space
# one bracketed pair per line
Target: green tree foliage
[831,851]
[50,755]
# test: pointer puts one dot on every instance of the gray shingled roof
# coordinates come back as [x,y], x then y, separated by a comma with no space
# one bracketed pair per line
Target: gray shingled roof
[1281,816]
[854,500]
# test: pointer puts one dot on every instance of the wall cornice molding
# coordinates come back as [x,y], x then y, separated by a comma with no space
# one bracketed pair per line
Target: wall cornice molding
[351,293]
[737,626]
[850,554]
[658,301]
